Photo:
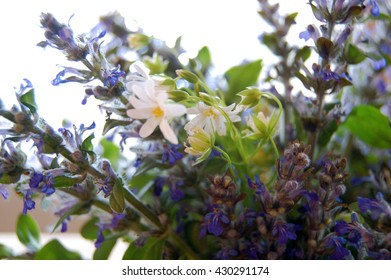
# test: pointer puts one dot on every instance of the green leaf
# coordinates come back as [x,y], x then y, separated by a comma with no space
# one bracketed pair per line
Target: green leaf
[111,151]
[304,53]
[87,146]
[305,81]
[290,19]
[204,57]
[152,250]
[28,232]
[117,199]
[28,100]
[354,55]
[54,250]
[11,177]
[324,47]
[5,252]
[79,208]
[104,250]
[90,229]
[111,123]
[67,181]
[271,41]
[369,125]
[242,76]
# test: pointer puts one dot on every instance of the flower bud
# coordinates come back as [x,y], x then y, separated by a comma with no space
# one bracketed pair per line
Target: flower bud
[138,41]
[199,144]
[188,76]
[250,97]
[178,95]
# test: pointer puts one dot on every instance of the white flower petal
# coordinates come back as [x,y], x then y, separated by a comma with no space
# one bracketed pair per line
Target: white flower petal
[138,91]
[167,131]
[161,97]
[220,126]
[197,122]
[148,127]
[137,103]
[140,113]
[175,110]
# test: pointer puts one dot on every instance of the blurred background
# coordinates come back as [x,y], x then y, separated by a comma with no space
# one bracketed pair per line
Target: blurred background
[229,28]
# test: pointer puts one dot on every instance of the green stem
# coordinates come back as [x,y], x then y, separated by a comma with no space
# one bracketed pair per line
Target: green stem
[274,146]
[184,246]
[142,209]
[226,157]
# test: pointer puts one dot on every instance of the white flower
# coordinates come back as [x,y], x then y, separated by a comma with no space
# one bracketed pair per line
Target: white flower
[211,119]
[152,105]
[141,78]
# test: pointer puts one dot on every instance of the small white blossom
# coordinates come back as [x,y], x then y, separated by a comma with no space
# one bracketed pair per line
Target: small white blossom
[212,119]
[152,104]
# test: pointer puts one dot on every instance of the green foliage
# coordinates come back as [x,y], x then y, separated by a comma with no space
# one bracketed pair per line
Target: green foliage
[353,54]
[54,250]
[204,57]
[28,100]
[66,181]
[111,151]
[151,250]
[242,76]
[117,199]
[327,132]
[112,123]
[79,208]
[104,250]
[90,229]
[5,252]
[28,232]
[369,125]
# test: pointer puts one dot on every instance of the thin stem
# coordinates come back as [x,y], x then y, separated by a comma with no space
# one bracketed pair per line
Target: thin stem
[226,157]
[184,246]
[274,147]
[141,208]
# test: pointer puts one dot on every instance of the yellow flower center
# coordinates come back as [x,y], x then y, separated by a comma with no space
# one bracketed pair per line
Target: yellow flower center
[157,112]
[210,113]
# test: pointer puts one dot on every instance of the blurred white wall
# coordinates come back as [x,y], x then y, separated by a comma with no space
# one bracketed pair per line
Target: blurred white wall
[229,28]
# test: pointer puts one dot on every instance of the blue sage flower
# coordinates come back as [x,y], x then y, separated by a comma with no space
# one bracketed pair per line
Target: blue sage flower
[337,245]
[374,207]
[375,10]
[35,180]
[48,186]
[216,221]
[379,64]
[283,231]
[100,238]
[28,202]
[112,76]
[176,193]
[311,32]
[159,182]
[171,153]
[4,192]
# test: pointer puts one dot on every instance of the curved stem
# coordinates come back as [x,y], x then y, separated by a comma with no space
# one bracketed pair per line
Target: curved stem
[226,157]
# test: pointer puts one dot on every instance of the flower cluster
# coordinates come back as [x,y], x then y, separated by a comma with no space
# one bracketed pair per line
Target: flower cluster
[292,164]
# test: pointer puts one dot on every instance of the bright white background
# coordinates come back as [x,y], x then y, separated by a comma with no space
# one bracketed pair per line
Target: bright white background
[229,28]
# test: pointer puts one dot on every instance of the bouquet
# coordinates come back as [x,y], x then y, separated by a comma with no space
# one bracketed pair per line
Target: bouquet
[288,162]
